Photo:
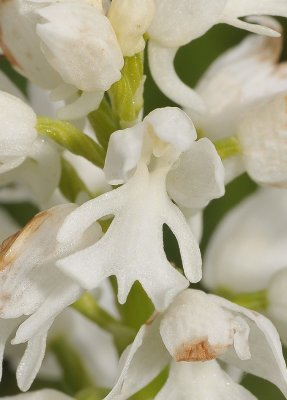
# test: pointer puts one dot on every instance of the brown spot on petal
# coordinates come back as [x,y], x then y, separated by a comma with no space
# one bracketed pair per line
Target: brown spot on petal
[201,351]
[7,253]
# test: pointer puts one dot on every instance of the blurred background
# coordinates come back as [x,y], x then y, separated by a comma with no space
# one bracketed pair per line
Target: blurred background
[191,62]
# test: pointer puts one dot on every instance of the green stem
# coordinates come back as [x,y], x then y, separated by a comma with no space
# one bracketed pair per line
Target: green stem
[104,122]
[253,300]
[88,307]
[72,139]
[74,372]
[228,147]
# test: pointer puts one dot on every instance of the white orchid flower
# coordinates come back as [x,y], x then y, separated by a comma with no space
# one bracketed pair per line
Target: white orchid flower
[26,157]
[244,76]
[158,158]
[83,335]
[33,290]
[84,54]
[175,25]
[249,245]
[200,327]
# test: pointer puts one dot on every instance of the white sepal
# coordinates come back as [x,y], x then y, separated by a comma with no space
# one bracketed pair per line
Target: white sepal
[33,290]
[243,257]
[130,20]
[266,359]
[163,72]
[84,50]
[194,328]
[195,190]
[201,381]
[141,362]
[263,138]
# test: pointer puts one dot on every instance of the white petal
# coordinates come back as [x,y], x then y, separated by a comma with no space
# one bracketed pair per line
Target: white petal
[242,75]
[194,328]
[164,74]
[266,360]
[130,20]
[18,131]
[84,335]
[83,105]
[124,153]
[263,138]
[40,172]
[21,45]
[63,294]
[141,207]
[234,10]
[41,101]
[141,362]
[84,50]
[201,381]
[244,257]
[173,126]
[198,176]
[31,361]
[177,24]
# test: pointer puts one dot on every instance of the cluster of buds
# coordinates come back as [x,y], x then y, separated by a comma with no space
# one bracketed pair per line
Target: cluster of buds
[88,284]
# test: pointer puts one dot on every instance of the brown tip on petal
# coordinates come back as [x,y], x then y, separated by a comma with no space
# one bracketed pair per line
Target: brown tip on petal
[201,351]
[8,55]
[151,318]
[7,256]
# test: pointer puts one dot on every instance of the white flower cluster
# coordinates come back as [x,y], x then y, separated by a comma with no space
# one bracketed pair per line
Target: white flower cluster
[107,196]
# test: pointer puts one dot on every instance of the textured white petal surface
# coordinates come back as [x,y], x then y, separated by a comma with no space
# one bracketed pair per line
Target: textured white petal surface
[141,207]
[263,138]
[243,256]
[201,381]
[177,24]
[141,362]
[21,45]
[198,176]
[40,172]
[267,359]
[17,131]
[130,20]
[246,73]
[234,10]
[171,125]
[163,72]
[124,153]
[194,328]
[84,50]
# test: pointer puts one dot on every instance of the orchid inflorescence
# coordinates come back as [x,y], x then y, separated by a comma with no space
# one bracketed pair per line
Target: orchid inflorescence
[92,306]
